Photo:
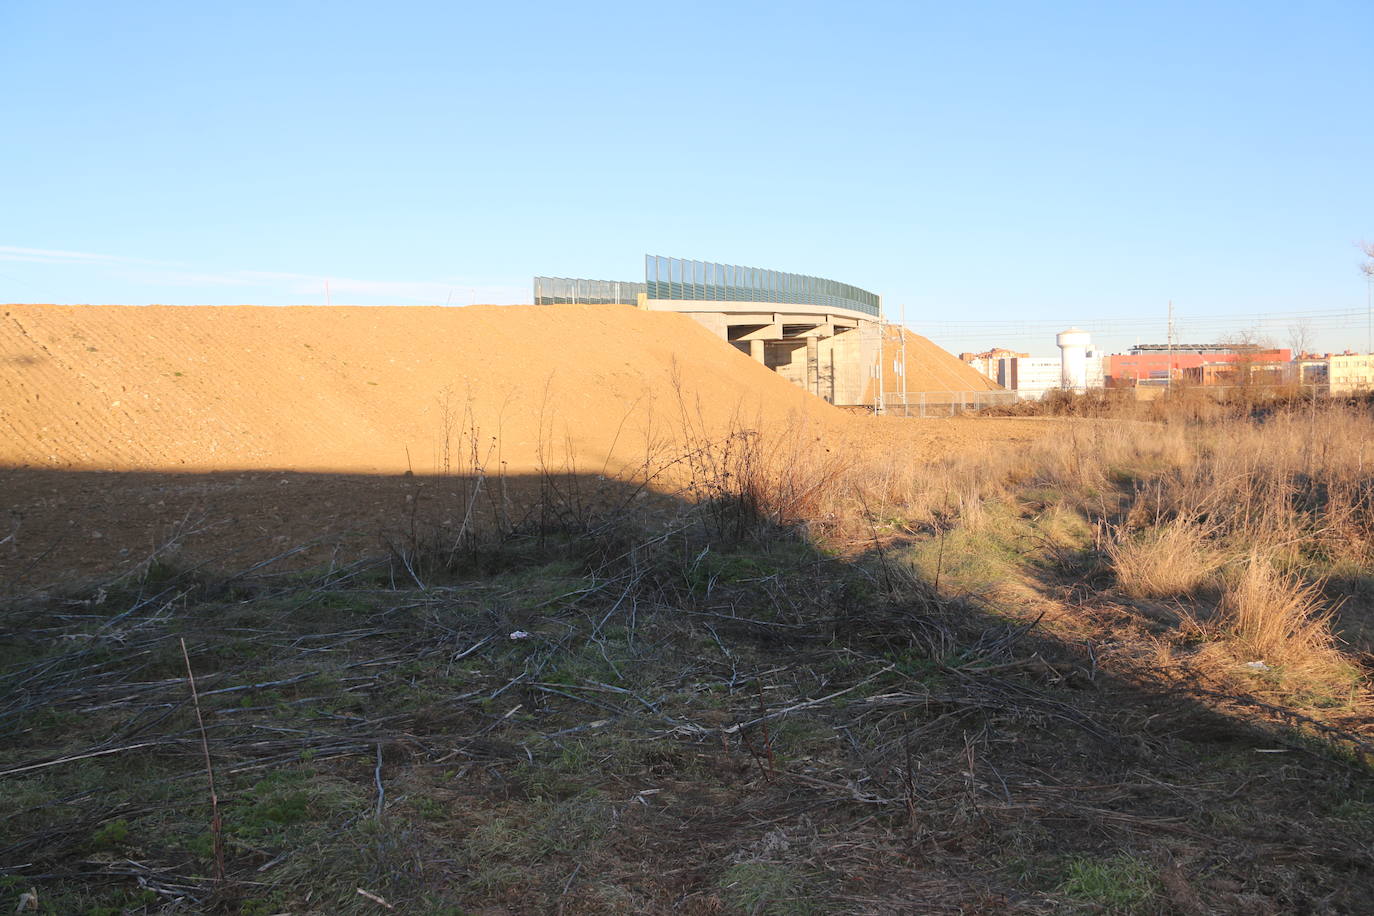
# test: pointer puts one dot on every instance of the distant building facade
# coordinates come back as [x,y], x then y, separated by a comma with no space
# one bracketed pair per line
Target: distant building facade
[1153,367]
[1158,363]
[1029,376]
[1078,367]
[988,361]
[1240,374]
[1032,377]
[1350,373]
[1314,371]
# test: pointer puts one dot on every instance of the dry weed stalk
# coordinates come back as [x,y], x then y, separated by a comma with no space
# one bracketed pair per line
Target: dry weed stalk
[216,825]
[750,472]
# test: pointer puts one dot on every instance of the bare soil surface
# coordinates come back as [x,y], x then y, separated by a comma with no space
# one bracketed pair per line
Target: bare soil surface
[594,711]
[376,390]
[82,526]
[929,369]
[370,390]
[232,434]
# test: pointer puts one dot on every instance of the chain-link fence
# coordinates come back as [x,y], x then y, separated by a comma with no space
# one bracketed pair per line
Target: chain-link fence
[1258,391]
[941,403]
[1201,400]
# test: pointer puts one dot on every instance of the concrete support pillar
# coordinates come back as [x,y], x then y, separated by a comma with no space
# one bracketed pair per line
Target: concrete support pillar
[813,367]
[756,350]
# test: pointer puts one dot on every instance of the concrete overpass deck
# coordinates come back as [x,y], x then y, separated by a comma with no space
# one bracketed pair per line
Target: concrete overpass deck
[762,321]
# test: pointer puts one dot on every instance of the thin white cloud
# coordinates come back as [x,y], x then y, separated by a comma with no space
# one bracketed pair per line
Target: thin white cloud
[309,288]
[52,256]
[311,285]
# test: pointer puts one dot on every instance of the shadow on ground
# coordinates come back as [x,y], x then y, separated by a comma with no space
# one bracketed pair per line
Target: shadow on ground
[564,694]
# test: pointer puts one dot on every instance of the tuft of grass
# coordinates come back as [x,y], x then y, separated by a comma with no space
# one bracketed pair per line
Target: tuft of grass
[1165,561]
[111,835]
[572,825]
[1119,884]
[981,555]
[766,889]
[1277,617]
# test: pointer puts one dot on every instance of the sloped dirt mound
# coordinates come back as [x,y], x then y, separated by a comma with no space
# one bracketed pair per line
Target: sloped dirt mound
[365,389]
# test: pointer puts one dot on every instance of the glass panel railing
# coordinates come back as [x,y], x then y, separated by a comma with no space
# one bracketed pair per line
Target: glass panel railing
[566,290]
[679,279]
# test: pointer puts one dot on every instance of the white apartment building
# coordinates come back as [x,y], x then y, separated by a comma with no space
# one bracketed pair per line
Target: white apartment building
[1031,376]
[1350,373]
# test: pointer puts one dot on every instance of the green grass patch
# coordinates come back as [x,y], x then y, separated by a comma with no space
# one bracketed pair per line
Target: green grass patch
[767,889]
[978,555]
[1120,884]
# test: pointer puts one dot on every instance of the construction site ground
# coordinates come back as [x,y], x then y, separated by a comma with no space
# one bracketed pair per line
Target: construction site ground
[479,611]
[233,434]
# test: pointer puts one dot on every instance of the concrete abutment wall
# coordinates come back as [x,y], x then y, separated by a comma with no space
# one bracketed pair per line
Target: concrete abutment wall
[828,352]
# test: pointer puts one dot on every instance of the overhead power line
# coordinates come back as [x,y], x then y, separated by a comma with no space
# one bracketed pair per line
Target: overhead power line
[1332,317]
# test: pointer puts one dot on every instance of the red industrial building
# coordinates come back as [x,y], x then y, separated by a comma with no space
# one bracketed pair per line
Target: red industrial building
[1158,361]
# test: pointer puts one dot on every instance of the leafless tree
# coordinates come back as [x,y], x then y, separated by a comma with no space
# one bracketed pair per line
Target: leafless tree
[1300,337]
[1247,345]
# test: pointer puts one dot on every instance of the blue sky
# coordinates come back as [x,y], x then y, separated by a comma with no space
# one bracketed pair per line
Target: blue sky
[999,169]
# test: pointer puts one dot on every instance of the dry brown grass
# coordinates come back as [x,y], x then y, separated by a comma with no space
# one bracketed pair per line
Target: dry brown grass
[1257,510]
[1287,484]
[1298,479]
[1278,618]
[1266,512]
[550,806]
[1172,559]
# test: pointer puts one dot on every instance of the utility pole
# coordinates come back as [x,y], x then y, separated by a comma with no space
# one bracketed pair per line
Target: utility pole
[906,407]
[1369,310]
[1367,268]
[1171,344]
[882,355]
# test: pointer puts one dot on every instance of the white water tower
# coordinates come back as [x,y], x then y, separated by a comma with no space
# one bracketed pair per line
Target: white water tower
[1073,358]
